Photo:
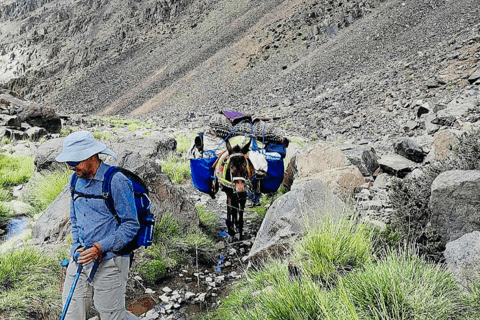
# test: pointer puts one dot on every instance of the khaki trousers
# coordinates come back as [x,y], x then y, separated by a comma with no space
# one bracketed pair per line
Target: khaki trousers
[107,290]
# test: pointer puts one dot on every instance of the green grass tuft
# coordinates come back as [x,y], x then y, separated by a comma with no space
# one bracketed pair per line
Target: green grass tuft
[29,284]
[335,248]
[15,169]
[404,286]
[43,188]
[177,168]
[395,285]
[183,142]
[208,219]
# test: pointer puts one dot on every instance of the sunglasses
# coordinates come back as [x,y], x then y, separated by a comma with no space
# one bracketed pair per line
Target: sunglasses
[73,164]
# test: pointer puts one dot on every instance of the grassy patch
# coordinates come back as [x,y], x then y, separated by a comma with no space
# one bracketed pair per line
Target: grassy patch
[29,284]
[177,168]
[131,124]
[297,141]
[334,248]
[44,187]
[104,135]
[15,169]
[183,142]
[171,247]
[4,141]
[66,131]
[208,219]
[396,285]
[404,286]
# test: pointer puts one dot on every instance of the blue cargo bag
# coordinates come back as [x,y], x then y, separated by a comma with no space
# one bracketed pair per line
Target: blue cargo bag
[202,173]
[274,177]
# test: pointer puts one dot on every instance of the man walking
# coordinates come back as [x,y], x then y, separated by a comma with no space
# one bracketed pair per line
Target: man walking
[97,235]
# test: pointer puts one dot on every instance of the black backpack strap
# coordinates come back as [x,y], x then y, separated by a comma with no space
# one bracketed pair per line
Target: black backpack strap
[75,194]
[106,191]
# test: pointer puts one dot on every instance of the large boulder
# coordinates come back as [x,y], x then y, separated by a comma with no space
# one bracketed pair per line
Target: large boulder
[326,162]
[156,146]
[308,203]
[54,223]
[152,147]
[41,117]
[46,153]
[445,142]
[463,258]
[454,203]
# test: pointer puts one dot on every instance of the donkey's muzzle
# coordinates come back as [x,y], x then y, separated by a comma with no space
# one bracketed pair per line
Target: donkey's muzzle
[239,184]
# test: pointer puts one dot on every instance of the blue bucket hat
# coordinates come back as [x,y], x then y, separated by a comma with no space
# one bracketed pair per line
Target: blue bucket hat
[80,146]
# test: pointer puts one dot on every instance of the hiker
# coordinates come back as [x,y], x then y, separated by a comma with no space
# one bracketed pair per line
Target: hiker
[94,227]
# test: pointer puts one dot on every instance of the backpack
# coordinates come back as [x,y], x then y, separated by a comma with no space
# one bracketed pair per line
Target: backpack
[144,236]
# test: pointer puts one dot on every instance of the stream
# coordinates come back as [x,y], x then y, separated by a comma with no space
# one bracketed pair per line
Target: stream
[14,227]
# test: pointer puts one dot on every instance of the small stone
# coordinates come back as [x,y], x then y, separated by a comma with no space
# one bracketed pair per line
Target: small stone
[167,290]
[189,295]
[151,314]
[202,296]
[149,291]
[208,279]
[227,264]
[164,299]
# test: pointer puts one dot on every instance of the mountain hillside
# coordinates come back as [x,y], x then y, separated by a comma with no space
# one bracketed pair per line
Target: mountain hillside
[321,66]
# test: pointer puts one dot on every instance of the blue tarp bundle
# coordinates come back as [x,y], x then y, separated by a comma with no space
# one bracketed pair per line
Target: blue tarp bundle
[274,177]
[202,173]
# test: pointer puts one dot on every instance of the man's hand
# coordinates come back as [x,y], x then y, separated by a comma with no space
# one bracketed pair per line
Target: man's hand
[90,255]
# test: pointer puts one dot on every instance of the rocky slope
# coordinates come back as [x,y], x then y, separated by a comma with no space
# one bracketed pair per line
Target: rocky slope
[330,69]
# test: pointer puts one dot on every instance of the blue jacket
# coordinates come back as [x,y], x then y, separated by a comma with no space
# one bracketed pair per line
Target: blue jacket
[91,219]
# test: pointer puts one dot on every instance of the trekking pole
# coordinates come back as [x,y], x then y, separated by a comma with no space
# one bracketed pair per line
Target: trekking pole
[72,289]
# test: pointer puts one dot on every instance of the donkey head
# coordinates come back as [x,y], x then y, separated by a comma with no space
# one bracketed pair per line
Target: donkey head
[239,168]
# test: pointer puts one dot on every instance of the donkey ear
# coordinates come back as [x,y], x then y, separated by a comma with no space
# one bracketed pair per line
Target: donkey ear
[229,146]
[246,147]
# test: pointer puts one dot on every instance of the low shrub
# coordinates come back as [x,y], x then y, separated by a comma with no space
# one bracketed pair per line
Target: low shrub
[172,247]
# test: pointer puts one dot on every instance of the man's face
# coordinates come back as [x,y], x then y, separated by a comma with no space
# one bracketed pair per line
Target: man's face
[85,169]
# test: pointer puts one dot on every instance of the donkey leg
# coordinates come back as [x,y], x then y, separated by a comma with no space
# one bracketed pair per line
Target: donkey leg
[240,218]
[229,222]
